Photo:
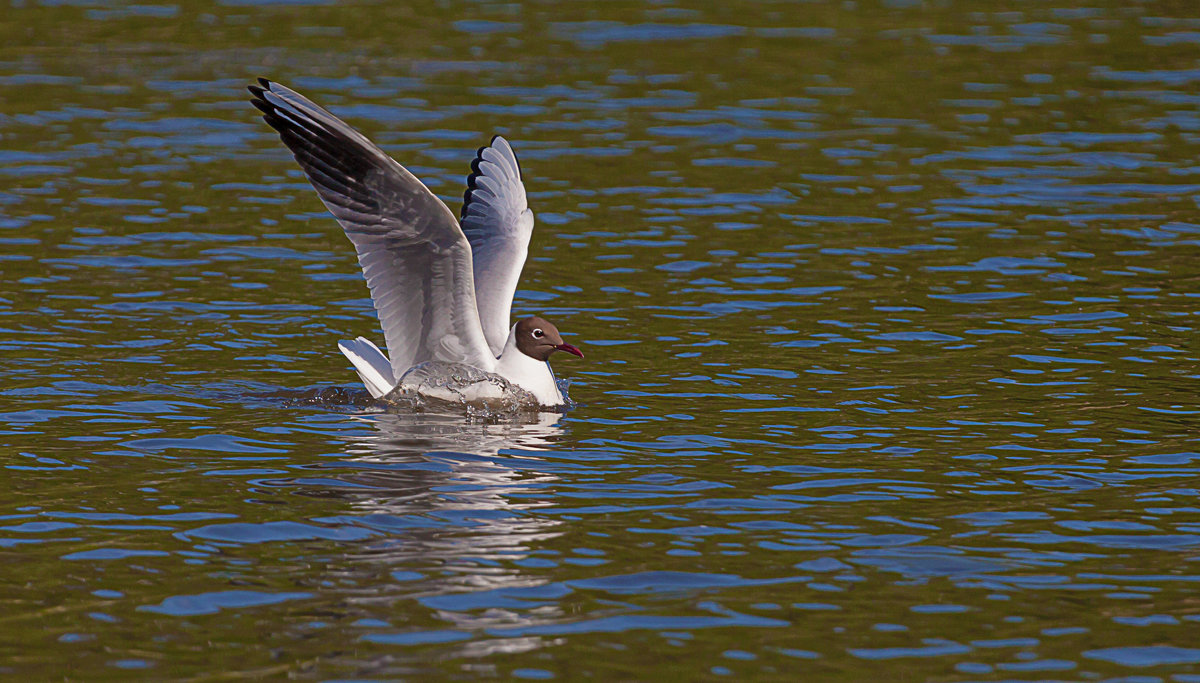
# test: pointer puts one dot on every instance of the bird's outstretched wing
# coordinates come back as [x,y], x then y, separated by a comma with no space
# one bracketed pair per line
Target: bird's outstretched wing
[414,255]
[498,222]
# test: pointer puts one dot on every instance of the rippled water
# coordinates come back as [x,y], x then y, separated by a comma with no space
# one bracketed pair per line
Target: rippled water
[888,307]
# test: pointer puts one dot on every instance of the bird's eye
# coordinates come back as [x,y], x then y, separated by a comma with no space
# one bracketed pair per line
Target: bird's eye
[537,333]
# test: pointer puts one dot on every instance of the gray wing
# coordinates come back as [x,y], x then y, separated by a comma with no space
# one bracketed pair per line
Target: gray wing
[414,256]
[498,223]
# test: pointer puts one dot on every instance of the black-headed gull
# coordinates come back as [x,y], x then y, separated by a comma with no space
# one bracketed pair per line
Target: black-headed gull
[443,290]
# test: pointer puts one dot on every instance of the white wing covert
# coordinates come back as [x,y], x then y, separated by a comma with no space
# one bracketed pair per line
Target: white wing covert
[498,223]
[415,257]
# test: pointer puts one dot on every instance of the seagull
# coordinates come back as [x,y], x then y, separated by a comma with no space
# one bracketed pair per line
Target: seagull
[442,286]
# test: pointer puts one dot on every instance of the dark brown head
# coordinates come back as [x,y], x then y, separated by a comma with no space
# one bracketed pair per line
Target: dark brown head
[538,338]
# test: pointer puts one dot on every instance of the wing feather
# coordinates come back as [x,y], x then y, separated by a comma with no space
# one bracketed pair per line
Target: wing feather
[498,223]
[414,255]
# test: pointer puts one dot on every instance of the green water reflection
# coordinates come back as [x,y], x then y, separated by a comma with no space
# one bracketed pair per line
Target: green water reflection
[887,308]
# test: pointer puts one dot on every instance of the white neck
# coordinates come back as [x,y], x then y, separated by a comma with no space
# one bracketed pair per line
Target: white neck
[530,374]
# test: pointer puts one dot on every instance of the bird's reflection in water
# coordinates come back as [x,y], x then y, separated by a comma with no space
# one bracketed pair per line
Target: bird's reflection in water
[450,501]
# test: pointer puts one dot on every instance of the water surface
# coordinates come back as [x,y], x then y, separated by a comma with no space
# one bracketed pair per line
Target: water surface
[888,312]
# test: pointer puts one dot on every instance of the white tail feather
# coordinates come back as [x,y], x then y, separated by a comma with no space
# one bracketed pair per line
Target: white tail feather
[372,366]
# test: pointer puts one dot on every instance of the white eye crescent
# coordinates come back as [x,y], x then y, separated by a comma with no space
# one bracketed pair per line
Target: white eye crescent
[537,333]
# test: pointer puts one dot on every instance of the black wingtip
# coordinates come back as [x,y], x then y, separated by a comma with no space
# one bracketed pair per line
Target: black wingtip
[263,106]
[471,179]
[257,90]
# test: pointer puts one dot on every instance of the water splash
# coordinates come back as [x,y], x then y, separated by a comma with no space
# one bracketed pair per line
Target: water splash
[332,398]
[436,386]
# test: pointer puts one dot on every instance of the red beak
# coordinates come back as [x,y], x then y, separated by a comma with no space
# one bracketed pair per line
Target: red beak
[569,349]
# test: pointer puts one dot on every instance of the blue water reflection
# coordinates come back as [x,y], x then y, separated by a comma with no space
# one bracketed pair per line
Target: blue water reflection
[888,310]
